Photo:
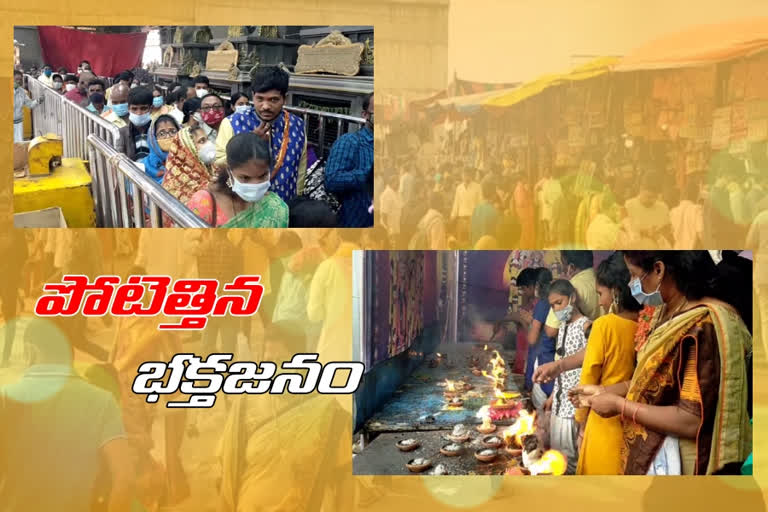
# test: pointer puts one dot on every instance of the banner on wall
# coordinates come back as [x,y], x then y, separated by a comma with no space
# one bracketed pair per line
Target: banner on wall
[403,302]
[109,54]
[406,295]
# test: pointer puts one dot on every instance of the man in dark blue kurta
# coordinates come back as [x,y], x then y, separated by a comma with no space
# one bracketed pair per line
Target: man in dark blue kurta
[349,173]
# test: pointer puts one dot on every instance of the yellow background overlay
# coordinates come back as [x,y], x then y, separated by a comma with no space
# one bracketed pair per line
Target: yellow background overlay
[299,447]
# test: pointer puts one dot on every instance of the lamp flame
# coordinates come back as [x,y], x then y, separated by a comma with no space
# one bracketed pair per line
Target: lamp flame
[552,462]
[524,426]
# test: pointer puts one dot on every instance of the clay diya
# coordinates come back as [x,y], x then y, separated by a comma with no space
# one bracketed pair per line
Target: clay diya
[464,386]
[455,402]
[487,427]
[451,450]
[459,434]
[483,429]
[486,454]
[407,445]
[492,441]
[418,465]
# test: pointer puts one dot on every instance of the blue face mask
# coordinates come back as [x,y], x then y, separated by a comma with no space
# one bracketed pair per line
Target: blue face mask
[242,109]
[120,110]
[48,72]
[157,101]
[564,314]
[140,119]
[646,299]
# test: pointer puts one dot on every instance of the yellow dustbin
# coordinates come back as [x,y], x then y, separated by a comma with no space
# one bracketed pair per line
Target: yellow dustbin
[67,187]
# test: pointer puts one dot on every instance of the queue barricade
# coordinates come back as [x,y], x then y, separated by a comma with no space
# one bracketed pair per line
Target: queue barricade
[74,124]
[323,128]
[114,173]
[46,117]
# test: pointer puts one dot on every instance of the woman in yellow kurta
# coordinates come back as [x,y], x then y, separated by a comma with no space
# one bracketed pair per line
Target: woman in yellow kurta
[609,359]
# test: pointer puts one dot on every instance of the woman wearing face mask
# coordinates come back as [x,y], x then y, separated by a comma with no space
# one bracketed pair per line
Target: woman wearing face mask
[188,167]
[70,83]
[58,83]
[609,359]
[159,108]
[211,115]
[685,408]
[239,103]
[191,110]
[176,103]
[240,196]
[571,338]
[162,133]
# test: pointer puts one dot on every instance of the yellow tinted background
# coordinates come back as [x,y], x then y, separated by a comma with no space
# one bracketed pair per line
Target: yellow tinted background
[301,446]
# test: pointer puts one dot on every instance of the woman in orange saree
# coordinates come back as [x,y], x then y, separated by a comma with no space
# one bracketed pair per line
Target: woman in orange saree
[185,169]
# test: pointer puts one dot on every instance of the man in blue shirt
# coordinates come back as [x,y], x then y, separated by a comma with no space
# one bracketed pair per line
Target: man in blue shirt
[349,173]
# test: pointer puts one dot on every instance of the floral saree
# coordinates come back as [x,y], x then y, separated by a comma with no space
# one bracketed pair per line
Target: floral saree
[185,173]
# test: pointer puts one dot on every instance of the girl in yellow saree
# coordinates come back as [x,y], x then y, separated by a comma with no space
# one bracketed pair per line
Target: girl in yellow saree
[690,381]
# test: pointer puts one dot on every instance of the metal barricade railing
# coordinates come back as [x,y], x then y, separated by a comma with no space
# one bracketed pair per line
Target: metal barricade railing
[78,123]
[46,117]
[70,121]
[339,124]
[116,207]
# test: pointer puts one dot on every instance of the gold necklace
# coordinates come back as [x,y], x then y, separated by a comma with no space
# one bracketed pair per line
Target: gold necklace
[668,316]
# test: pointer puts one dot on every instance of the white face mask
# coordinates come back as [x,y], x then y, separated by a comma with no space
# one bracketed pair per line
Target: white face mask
[56,86]
[70,87]
[242,109]
[207,153]
[201,92]
[249,192]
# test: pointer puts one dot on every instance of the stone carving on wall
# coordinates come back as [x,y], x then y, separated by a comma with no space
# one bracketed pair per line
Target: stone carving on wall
[203,35]
[368,53]
[178,36]
[222,58]
[168,57]
[270,31]
[235,31]
[187,64]
[335,54]
[234,72]
[247,60]
[226,45]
